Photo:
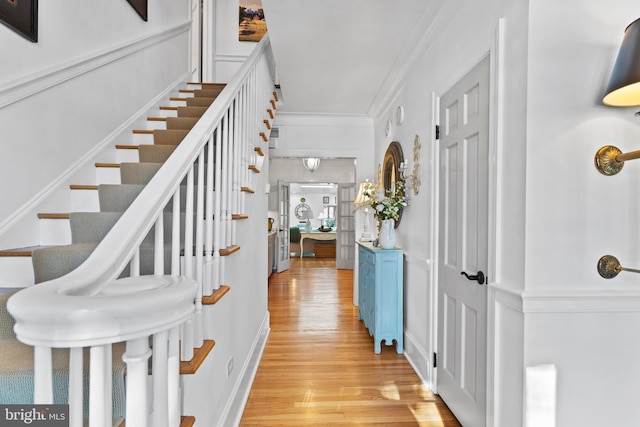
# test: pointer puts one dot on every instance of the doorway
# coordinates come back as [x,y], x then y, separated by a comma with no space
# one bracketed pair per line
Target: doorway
[463,246]
[323,197]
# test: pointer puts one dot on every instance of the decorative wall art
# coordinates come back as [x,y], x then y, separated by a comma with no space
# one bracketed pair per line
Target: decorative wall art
[139,6]
[252,26]
[21,16]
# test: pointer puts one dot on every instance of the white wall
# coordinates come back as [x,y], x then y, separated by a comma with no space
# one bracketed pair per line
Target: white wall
[64,98]
[230,53]
[574,318]
[556,214]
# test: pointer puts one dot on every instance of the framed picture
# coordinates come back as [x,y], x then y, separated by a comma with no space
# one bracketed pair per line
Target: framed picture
[21,16]
[251,24]
[139,6]
[325,200]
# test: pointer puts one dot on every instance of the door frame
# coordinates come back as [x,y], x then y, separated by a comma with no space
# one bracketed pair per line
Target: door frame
[495,51]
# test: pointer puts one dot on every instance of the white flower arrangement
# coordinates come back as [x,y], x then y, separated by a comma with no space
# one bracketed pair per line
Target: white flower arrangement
[390,205]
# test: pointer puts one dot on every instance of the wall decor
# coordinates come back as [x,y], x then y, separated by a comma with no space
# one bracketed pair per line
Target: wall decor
[388,127]
[251,24]
[391,172]
[140,6]
[21,16]
[325,200]
[400,115]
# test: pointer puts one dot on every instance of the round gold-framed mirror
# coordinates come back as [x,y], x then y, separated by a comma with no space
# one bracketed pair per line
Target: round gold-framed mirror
[393,157]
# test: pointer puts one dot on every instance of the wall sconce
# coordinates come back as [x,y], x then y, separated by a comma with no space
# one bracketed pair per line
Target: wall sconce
[311,163]
[609,267]
[412,181]
[362,201]
[623,90]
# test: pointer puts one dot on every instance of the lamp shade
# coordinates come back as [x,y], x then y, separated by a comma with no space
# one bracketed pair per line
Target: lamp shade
[363,190]
[624,85]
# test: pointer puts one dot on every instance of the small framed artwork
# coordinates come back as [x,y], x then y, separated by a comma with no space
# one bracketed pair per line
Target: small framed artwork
[21,16]
[251,24]
[140,6]
[325,200]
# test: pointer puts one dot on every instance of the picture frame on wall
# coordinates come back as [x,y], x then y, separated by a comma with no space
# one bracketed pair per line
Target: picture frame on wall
[21,16]
[325,200]
[251,23]
[141,7]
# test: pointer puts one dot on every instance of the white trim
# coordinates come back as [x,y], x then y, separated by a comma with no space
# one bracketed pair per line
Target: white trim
[40,81]
[32,203]
[435,220]
[231,58]
[496,126]
[408,56]
[411,342]
[580,301]
[506,296]
[233,410]
[312,119]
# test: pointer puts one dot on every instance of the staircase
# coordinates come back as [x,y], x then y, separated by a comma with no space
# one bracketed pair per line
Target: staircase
[141,269]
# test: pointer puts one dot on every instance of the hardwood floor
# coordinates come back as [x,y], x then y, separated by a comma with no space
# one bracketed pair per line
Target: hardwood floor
[318,367]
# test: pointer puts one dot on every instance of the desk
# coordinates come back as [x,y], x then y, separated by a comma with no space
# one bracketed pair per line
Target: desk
[315,234]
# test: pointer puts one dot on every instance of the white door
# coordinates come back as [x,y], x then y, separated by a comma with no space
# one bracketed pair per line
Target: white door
[282,262]
[463,245]
[346,230]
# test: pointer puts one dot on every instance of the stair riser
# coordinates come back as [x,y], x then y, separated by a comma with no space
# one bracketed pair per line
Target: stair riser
[141,138]
[84,201]
[123,156]
[54,232]
[153,124]
[17,272]
[107,175]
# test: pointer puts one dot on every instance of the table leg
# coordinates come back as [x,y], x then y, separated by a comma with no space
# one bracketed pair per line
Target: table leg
[301,246]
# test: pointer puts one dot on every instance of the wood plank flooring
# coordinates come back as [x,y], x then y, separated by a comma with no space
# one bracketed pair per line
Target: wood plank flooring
[318,367]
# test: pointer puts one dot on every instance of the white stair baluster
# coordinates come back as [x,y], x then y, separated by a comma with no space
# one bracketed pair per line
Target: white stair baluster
[136,357]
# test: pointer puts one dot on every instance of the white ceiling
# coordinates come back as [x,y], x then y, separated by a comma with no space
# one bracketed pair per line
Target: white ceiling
[339,56]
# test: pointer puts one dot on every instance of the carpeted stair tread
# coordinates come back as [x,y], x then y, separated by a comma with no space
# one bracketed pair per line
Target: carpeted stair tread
[56,261]
[207,93]
[169,136]
[191,111]
[91,227]
[199,102]
[138,173]
[155,153]
[181,123]
[117,197]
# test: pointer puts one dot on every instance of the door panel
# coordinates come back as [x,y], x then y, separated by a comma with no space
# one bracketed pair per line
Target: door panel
[463,246]
[284,251]
[346,231]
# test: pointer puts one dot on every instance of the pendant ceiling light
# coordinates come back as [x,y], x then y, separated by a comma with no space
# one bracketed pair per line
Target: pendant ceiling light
[311,163]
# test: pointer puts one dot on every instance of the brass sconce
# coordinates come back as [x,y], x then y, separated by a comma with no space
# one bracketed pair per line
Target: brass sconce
[609,267]
[413,180]
[623,90]
[609,160]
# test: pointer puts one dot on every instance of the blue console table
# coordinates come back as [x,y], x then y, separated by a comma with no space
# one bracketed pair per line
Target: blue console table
[380,294]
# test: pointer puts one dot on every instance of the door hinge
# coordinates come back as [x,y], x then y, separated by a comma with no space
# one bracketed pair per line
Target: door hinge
[435,359]
[437,131]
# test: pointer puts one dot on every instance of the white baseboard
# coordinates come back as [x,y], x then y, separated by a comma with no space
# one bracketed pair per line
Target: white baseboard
[234,408]
[418,357]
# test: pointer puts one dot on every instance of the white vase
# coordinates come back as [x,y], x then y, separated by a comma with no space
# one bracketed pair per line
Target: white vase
[387,235]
